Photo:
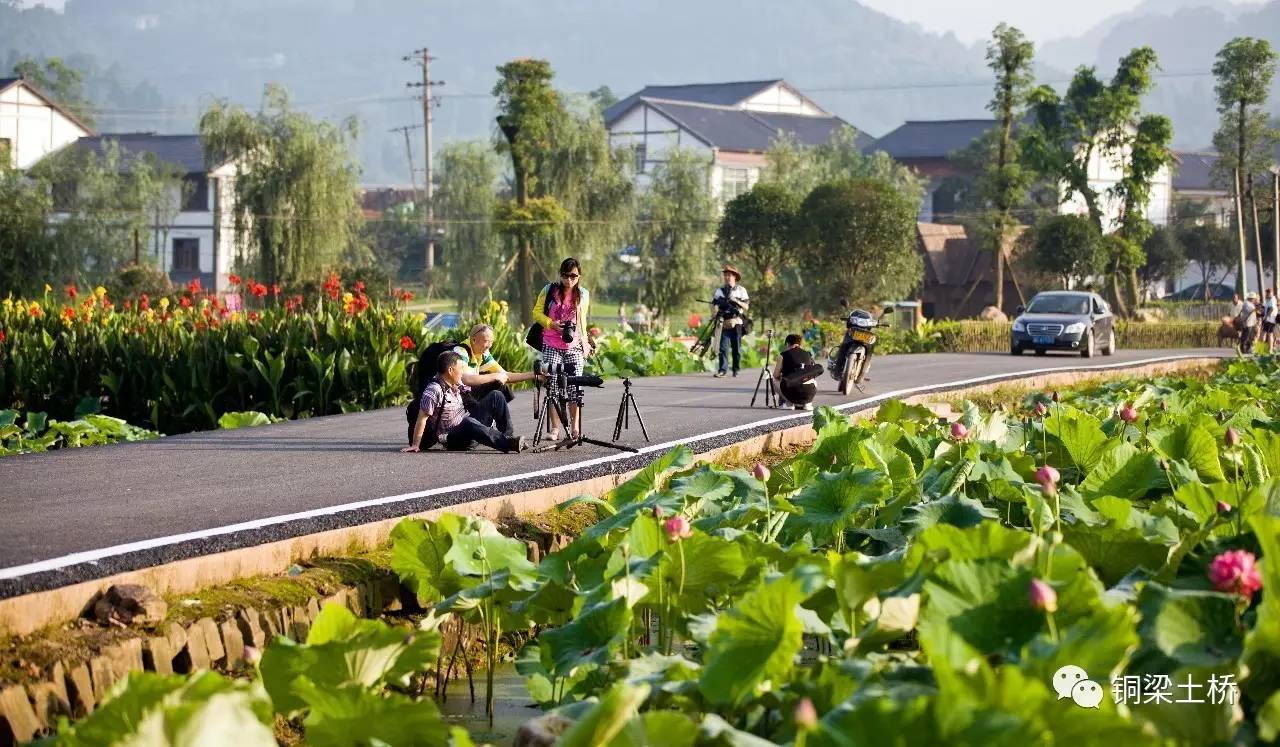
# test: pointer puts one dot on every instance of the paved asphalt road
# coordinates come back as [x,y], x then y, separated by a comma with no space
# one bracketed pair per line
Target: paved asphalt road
[84,513]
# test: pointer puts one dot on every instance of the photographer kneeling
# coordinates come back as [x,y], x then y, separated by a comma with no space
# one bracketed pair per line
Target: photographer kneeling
[795,372]
[443,416]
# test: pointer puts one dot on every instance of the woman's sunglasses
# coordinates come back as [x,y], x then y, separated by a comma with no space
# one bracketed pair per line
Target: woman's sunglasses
[570,275]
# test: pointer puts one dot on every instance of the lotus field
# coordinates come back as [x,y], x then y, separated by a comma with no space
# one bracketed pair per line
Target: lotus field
[1095,567]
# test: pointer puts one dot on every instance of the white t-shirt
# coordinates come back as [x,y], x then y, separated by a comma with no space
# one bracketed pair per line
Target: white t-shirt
[1269,310]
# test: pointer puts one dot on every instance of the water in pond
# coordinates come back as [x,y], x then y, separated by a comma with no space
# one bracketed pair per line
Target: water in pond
[512,706]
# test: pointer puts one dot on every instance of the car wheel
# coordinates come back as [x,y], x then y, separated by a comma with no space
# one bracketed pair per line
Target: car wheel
[1110,347]
[1086,351]
[1015,350]
[1041,351]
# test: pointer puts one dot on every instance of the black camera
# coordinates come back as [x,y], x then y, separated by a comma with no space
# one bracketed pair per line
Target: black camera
[567,330]
[727,308]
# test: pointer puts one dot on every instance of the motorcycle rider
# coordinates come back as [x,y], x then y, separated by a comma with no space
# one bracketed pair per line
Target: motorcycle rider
[731,302]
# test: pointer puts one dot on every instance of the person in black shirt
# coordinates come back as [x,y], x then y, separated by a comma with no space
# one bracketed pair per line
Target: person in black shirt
[795,372]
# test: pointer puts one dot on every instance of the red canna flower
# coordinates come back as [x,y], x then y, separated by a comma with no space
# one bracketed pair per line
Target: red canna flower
[358,287]
[128,305]
[257,289]
[2,336]
[194,287]
[144,303]
[68,313]
[275,290]
[406,296]
[253,316]
[72,292]
[407,343]
[184,302]
[233,279]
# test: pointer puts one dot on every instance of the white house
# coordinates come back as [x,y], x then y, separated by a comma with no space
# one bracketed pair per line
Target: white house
[731,123]
[928,147]
[200,243]
[32,126]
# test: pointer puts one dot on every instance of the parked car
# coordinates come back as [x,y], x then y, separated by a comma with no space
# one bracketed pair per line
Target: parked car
[1217,292]
[1078,321]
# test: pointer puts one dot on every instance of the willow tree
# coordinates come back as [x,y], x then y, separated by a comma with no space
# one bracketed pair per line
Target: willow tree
[465,202]
[528,107]
[295,193]
[1094,118]
[679,214]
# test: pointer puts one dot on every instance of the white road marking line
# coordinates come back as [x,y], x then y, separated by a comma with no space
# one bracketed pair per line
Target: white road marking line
[92,556]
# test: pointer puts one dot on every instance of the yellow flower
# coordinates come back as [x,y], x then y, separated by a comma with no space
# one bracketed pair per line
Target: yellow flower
[8,304]
[164,303]
[420,316]
[35,308]
[48,288]
[235,316]
[391,318]
[102,320]
[347,298]
[204,302]
[99,291]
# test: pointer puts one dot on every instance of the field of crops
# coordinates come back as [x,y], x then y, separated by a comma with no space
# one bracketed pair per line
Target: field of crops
[1086,568]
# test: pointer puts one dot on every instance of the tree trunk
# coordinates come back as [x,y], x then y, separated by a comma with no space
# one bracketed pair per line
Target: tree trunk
[1242,279]
[1000,272]
[1257,237]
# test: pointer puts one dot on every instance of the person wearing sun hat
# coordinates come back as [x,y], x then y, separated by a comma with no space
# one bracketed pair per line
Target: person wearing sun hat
[730,301]
[1247,321]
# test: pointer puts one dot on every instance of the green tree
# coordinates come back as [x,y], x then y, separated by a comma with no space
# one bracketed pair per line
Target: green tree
[28,258]
[856,239]
[1068,246]
[465,201]
[1165,256]
[1244,68]
[1004,182]
[799,169]
[757,230]
[1206,245]
[603,97]
[295,194]
[1104,119]
[63,82]
[680,215]
[528,107]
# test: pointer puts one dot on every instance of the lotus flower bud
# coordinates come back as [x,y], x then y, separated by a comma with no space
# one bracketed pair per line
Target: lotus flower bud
[1055,538]
[1163,405]
[1042,597]
[1224,507]
[1232,438]
[959,431]
[677,528]
[806,715]
[1041,409]
[252,654]
[1128,414]
[1048,478]
[1056,398]
[1236,572]
[761,472]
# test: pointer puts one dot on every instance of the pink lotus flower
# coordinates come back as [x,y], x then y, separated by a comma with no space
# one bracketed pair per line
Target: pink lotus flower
[1232,438]
[959,431]
[1048,478]
[1128,414]
[1236,572]
[1040,410]
[1042,597]
[1224,507]
[806,716]
[677,528]
[761,472]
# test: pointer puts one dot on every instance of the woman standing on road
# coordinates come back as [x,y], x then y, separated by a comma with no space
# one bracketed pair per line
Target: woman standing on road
[561,309]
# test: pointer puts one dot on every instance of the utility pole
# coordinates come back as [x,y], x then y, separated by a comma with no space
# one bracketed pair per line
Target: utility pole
[423,60]
[408,153]
[1242,279]
[1275,229]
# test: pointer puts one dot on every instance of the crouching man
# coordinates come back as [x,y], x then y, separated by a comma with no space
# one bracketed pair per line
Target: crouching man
[443,417]
[795,372]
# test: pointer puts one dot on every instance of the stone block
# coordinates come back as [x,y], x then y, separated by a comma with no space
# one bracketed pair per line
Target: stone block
[158,655]
[250,623]
[212,640]
[104,677]
[534,551]
[125,657]
[17,715]
[177,636]
[232,643]
[49,699]
[389,593]
[80,690]
[300,624]
[313,609]
[196,653]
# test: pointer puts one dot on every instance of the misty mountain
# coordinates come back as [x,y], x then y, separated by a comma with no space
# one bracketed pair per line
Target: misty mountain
[343,57]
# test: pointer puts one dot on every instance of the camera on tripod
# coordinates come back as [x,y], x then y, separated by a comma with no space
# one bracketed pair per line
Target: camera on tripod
[726,308]
[559,382]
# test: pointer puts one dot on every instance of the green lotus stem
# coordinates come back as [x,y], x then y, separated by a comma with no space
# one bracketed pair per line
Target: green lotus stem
[1053,627]
[680,547]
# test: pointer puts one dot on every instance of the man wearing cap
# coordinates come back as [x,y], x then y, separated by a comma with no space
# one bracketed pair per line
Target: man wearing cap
[730,302]
[1247,321]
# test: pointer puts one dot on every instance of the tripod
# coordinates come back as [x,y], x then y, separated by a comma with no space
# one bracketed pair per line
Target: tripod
[771,398]
[709,338]
[557,401]
[624,413]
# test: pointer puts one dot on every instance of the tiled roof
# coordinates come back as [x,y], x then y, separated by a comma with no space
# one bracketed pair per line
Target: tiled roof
[6,82]
[932,139]
[1193,171]
[742,130]
[949,255]
[184,151]
[716,94]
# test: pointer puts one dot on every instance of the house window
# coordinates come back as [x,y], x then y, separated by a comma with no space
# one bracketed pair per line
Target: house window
[733,183]
[186,255]
[196,189]
[641,153]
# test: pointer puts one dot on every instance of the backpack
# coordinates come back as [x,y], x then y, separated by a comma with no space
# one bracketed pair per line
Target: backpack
[423,371]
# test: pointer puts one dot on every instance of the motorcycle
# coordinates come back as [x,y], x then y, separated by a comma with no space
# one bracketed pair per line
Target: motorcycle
[848,363]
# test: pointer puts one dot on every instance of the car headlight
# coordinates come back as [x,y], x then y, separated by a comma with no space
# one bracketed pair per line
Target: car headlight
[1019,325]
[1074,329]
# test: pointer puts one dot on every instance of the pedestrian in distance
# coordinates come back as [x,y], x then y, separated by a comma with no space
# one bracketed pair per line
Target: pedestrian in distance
[730,302]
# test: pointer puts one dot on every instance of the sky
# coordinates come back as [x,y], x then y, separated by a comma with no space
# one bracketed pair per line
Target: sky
[1042,20]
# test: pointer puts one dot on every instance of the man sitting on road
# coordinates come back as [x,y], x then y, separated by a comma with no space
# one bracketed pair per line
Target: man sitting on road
[442,416]
[795,372]
[487,380]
